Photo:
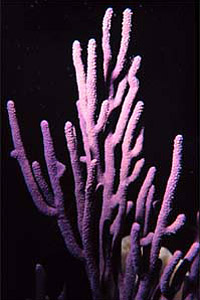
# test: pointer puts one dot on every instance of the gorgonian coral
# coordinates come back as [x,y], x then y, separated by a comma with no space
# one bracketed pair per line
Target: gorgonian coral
[107,167]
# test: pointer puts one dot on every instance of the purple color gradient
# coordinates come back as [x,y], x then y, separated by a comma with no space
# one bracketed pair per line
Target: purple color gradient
[106,126]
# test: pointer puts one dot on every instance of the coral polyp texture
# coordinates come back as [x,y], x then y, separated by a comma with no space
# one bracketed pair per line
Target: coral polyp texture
[119,239]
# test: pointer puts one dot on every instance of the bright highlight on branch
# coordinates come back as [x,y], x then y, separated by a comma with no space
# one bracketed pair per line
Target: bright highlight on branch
[138,272]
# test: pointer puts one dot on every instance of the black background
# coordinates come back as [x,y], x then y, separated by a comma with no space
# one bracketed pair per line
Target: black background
[38,75]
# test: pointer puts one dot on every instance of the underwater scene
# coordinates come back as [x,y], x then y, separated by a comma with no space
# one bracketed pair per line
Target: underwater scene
[100,151]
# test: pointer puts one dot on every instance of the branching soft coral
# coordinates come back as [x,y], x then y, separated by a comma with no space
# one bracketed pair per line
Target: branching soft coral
[114,134]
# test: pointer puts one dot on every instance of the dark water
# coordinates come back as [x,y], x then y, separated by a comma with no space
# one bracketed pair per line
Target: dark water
[38,75]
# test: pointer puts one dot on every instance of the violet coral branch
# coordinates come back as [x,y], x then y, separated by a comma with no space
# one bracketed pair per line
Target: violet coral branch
[20,155]
[72,143]
[112,159]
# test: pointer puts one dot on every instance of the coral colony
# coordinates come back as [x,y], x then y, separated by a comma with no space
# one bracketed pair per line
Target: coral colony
[118,239]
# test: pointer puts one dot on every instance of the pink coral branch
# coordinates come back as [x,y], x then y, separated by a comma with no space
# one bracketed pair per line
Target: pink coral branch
[184,267]
[91,84]
[163,216]
[80,75]
[87,232]
[125,38]
[169,269]
[167,200]
[107,53]
[133,263]
[176,225]
[148,209]
[71,138]
[49,198]
[142,196]
[125,113]
[131,127]
[120,92]
[100,237]
[20,155]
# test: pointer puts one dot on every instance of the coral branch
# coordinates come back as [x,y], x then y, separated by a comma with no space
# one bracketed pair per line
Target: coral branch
[169,269]
[71,138]
[91,84]
[80,75]
[49,198]
[120,239]
[87,233]
[148,209]
[125,37]
[107,54]
[166,207]
[141,200]
[133,262]
[20,155]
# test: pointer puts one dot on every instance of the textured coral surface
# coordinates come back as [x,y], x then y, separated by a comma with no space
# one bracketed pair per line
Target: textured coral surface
[106,168]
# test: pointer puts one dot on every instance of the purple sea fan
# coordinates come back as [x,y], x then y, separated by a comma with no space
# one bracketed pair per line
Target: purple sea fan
[113,142]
